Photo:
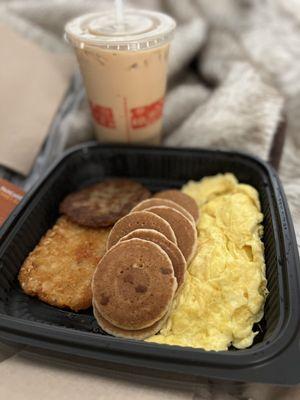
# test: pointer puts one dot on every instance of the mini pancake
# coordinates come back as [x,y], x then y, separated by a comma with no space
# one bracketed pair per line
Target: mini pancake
[102,204]
[182,199]
[176,256]
[140,334]
[139,220]
[185,231]
[134,284]
[153,202]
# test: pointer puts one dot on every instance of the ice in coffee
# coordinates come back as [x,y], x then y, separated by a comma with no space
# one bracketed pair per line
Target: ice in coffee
[125,72]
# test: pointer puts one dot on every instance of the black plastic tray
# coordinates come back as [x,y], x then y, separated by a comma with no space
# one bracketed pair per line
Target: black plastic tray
[275,353]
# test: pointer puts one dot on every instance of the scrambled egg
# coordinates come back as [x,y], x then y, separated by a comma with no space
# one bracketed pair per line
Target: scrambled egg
[225,287]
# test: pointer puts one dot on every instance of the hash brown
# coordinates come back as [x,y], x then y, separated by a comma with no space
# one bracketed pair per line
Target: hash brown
[59,270]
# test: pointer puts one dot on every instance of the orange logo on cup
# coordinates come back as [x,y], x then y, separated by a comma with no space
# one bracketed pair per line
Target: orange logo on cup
[141,117]
[103,115]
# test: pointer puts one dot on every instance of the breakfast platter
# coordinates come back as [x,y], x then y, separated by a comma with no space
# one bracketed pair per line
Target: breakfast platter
[179,262]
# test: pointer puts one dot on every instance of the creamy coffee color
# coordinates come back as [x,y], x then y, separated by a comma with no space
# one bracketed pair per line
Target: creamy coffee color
[125,72]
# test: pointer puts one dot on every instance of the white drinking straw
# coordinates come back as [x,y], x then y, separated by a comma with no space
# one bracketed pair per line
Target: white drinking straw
[119,12]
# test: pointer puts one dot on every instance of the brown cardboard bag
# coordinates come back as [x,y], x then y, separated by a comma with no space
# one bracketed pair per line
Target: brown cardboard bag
[33,82]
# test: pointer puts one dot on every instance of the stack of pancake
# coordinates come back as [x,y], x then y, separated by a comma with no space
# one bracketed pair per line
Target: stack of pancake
[59,270]
[144,267]
[143,244]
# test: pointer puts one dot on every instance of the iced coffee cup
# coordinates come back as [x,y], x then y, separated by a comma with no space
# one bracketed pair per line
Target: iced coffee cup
[124,68]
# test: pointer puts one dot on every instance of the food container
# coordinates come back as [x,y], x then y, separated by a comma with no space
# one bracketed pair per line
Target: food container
[275,353]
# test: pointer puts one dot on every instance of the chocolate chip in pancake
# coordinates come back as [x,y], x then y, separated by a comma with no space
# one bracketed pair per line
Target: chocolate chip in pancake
[182,199]
[134,284]
[139,220]
[156,202]
[102,204]
[185,231]
[140,334]
[176,256]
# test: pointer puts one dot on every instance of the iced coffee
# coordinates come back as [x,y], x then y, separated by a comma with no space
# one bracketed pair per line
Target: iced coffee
[125,72]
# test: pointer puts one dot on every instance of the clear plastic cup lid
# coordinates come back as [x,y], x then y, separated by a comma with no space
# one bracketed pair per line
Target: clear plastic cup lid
[141,30]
